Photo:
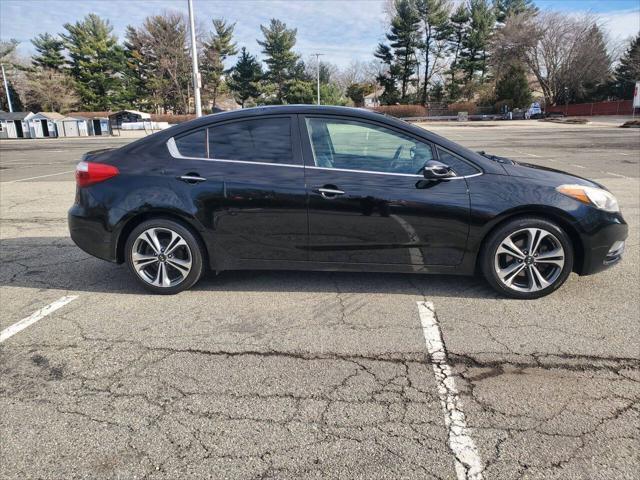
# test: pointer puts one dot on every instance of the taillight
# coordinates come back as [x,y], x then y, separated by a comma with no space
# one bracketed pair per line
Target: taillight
[88,173]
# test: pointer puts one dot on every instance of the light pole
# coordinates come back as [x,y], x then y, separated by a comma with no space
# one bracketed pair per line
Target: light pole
[318,55]
[6,88]
[194,62]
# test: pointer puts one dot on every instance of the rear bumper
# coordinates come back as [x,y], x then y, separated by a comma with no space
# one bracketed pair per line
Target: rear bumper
[604,248]
[90,234]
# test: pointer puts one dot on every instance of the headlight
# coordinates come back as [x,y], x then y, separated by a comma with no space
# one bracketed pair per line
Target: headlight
[596,197]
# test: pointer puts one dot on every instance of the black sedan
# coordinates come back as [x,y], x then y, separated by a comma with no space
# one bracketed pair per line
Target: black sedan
[330,188]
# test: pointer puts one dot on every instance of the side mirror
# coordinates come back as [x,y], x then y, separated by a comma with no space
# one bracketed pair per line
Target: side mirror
[434,170]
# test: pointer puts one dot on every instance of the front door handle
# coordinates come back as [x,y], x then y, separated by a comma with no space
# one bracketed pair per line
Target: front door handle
[192,178]
[329,191]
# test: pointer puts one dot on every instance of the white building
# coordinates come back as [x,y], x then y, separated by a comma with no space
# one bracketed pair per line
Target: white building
[43,124]
[15,124]
[373,99]
[72,127]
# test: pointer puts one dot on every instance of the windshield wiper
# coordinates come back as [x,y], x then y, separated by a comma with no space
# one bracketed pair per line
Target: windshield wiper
[496,158]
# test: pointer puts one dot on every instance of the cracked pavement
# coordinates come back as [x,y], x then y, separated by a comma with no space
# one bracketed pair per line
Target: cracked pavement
[311,374]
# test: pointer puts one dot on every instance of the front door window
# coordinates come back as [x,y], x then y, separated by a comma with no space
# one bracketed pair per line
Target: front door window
[361,146]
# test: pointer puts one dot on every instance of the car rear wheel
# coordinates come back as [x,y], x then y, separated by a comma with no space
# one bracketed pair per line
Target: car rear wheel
[527,258]
[164,256]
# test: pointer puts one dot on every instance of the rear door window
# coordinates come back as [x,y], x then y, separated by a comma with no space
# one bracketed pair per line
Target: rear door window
[193,144]
[265,140]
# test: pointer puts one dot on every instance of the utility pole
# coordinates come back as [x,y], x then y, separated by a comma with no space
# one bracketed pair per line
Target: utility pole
[194,62]
[6,88]
[318,55]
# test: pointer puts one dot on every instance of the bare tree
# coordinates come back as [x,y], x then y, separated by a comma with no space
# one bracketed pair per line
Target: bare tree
[15,69]
[567,55]
[50,91]
[355,72]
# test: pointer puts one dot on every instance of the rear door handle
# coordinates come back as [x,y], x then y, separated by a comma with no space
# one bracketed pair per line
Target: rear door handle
[192,178]
[327,192]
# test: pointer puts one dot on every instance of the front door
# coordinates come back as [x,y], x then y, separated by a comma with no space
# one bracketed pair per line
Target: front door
[248,186]
[369,202]
[19,131]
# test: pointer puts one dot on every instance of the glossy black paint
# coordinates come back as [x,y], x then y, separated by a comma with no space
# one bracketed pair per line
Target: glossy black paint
[255,215]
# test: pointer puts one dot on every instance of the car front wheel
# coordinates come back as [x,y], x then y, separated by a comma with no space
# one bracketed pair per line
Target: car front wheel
[164,256]
[527,258]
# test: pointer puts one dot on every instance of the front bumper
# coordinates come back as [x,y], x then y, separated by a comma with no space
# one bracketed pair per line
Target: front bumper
[90,234]
[604,248]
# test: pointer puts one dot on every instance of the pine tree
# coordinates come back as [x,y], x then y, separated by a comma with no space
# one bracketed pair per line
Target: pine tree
[628,71]
[281,61]
[457,28]
[325,74]
[357,91]
[96,62]
[388,78]
[138,71]
[404,39]
[216,51]
[435,31]
[161,62]
[245,77]
[49,52]
[506,8]
[513,87]
[475,43]
[590,69]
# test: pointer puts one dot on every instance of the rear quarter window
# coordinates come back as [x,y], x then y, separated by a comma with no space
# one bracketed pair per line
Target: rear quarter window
[193,144]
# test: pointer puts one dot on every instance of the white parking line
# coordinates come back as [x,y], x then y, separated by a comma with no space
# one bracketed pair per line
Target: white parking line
[40,176]
[616,174]
[468,464]
[34,317]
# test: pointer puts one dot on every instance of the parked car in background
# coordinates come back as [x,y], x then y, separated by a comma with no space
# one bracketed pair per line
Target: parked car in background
[333,188]
[534,111]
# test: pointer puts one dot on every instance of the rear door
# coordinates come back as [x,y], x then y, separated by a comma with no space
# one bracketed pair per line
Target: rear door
[369,202]
[246,179]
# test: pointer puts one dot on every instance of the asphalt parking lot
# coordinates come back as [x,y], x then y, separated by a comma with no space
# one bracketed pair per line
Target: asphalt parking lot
[315,375]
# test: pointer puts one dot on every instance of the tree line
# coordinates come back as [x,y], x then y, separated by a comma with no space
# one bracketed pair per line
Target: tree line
[86,67]
[489,52]
[497,52]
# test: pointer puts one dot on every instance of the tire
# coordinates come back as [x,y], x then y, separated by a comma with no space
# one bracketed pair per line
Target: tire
[516,272]
[178,254]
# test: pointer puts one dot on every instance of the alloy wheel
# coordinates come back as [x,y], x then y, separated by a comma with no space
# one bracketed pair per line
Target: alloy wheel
[161,257]
[529,260]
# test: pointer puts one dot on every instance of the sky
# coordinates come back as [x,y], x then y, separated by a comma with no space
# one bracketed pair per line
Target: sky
[342,30]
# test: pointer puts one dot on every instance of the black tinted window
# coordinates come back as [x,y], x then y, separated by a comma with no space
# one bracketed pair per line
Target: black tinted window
[193,144]
[461,167]
[266,140]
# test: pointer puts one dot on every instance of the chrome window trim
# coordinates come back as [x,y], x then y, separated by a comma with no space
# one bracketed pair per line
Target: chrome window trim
[173,151]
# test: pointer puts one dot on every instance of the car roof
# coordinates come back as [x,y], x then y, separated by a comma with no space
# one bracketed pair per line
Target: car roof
[289,110]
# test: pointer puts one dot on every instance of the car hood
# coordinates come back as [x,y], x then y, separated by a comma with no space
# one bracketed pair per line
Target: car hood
[550,175]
